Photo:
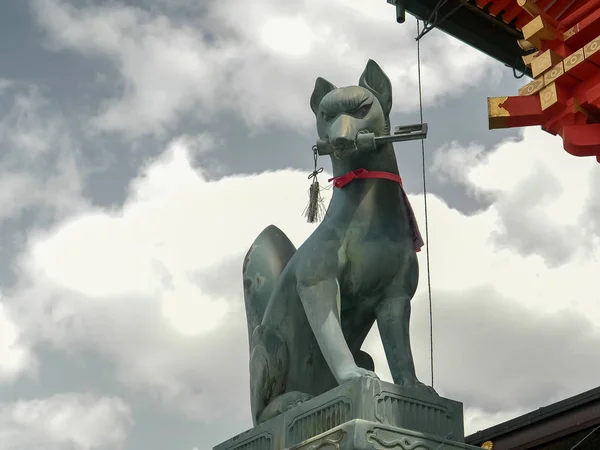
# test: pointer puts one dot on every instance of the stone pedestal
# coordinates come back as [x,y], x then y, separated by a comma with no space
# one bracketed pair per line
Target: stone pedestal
[363,414]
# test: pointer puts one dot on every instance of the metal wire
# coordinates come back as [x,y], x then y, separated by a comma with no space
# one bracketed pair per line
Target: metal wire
[425,203]
[587,436]
[434,21]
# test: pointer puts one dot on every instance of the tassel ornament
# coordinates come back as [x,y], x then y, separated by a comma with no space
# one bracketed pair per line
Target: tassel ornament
[314,210]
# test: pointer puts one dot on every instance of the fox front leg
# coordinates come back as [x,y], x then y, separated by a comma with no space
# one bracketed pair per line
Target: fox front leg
[321,301]
[393,321]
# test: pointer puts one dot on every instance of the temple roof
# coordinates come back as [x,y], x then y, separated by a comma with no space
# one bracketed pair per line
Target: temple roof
[559,426]
[491,26]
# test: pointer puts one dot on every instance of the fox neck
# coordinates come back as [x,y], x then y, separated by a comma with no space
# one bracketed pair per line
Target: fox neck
[368,201]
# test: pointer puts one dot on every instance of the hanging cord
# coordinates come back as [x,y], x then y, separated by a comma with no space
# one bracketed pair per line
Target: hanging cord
[430,23]
[434,21]
[514,69]
[524,67]
[425,203]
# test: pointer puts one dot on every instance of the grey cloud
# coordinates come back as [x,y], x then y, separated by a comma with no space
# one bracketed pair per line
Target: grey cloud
[490,353]
[201,376]
[217,63]
[524,225]
[495,354]
[40,170]
[185,389]
[75,421]
[40,159]
[591,218]
[528,232]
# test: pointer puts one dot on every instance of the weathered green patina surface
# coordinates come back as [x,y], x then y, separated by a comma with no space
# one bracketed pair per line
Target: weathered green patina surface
[309,310]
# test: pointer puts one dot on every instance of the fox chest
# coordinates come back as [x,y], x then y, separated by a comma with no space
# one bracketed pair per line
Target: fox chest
[368,264]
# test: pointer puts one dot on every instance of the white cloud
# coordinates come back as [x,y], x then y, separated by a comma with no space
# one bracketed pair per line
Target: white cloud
[453,162]
[541,194]
[149,267]
[15,357]
[259,60]
[288,36]
[477,419]
[156,286]
[64,422]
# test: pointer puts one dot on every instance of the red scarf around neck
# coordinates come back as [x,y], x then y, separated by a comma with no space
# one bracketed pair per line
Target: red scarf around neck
[343,180]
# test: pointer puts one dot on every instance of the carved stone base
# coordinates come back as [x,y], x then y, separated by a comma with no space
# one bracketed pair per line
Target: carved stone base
[363,413]
[363,435]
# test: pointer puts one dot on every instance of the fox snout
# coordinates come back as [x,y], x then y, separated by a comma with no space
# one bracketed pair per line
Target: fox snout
[342,132]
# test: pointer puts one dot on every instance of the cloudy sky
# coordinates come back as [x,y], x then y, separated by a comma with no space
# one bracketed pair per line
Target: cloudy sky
[145,143]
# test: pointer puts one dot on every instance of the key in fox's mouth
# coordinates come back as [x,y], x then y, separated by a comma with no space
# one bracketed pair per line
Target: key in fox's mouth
[341,143]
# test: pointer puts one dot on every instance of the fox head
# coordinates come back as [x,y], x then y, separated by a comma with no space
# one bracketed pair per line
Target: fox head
[344,112]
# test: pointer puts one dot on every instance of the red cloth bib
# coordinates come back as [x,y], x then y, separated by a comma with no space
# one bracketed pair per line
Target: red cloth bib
[343,180]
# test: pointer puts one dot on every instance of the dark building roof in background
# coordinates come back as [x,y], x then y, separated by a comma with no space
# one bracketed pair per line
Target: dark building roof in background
[567,420]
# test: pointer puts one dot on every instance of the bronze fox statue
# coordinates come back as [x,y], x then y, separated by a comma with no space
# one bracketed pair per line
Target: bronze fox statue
[309,310]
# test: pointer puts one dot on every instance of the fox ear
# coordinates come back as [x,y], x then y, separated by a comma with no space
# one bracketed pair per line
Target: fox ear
[375,80]
[322,87]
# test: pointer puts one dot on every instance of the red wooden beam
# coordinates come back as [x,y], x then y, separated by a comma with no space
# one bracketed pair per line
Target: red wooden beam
[592,50]
[498,6]
[587,7]
[535,10]
[570,114]
[511,12]
[561,7]
[584,31]
[588,92]
[582,140]
[511,112]
[577,66]
[482,3]
[564,97]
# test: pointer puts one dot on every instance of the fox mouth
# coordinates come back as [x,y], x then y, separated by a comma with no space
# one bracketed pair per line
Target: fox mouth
[343,143]
[343,151]
[341,148]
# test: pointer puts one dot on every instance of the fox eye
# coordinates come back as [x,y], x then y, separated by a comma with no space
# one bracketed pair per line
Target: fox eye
[361,112]
[328,117]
